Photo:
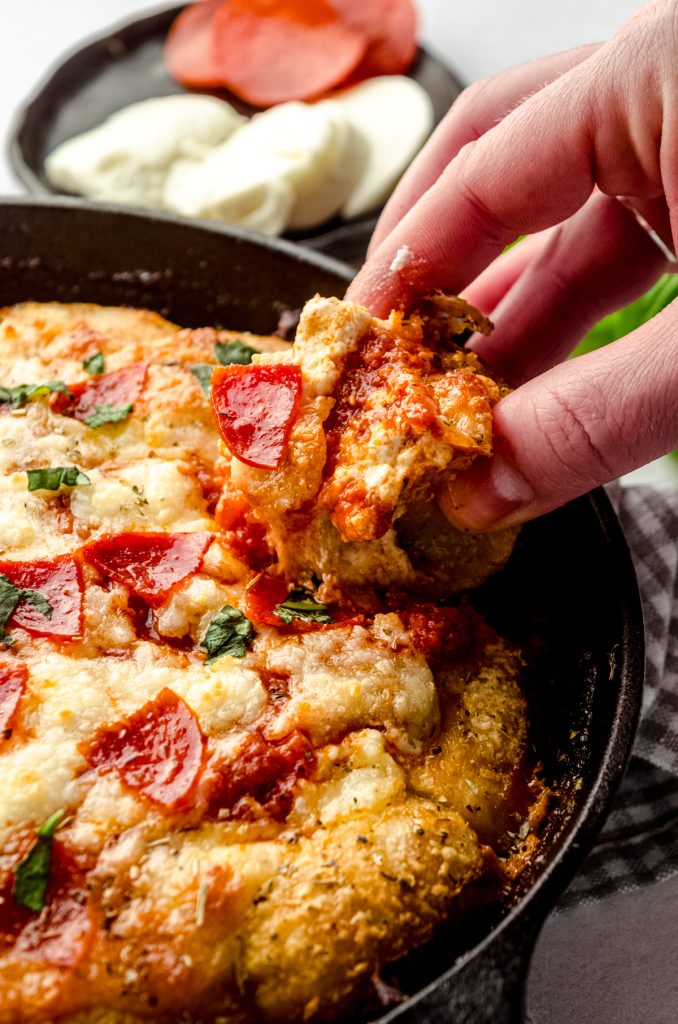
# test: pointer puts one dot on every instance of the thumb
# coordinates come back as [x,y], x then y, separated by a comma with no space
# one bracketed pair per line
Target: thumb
[580,424]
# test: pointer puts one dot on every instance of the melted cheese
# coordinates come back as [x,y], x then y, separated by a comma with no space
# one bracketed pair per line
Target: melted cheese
[343,680]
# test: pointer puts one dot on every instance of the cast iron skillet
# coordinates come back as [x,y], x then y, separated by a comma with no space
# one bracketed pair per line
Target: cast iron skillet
[569,591]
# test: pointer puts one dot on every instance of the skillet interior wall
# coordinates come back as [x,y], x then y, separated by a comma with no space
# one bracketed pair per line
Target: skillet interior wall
[70,252]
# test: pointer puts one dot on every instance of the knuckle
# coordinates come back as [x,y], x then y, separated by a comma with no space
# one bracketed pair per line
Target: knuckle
[569,426]
[478,209]
[471,107]
[471,97]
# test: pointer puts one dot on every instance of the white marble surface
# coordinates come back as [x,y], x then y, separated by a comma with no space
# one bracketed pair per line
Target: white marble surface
[613,962]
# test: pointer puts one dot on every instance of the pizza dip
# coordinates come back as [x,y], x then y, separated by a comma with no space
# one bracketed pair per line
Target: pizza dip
[252,746]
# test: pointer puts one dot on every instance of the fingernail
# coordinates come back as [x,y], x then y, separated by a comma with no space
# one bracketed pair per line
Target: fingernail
[490,495]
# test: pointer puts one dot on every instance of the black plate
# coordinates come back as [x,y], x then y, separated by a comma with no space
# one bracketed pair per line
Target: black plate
[569,591]
[126,65]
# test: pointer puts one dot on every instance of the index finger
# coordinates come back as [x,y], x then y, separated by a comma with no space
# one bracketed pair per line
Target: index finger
[479,107]
[531,171]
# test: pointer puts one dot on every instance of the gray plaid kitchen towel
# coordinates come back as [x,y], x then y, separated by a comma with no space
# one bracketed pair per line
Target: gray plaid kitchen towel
[639,843]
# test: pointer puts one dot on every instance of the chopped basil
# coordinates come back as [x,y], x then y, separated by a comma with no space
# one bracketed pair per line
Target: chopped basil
[229,632]
[52,477]
[300,604]
[236,351]
[31,875]
[94,364]
[10,597]
[108,414]
[19,395]
[203,372]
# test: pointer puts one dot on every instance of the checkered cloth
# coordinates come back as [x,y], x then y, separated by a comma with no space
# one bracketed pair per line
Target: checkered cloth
[639,843]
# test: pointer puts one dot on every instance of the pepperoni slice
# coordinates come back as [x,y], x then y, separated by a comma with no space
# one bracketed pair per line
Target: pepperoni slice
[13,679]
[264,772]
[271,51]
[255,407]
[189,47]
[391,30]
[150,564]
[62,933]
[13,916]
[60,583]
[122,387]
[158,751]
[262,597]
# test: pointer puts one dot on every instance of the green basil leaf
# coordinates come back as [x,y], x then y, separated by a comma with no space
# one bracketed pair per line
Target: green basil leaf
[236,351]
[203,372]
[108,414]
[229,632]
[628,319]
[52,477]
[19,395]
[10,597]
[31,875]
[51,386]
[94,364]
[300,604]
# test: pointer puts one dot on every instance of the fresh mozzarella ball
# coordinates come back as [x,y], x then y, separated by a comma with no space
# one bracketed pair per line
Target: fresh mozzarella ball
[393,116]
[320,199]
[127,158]
[250,195]
[273,172]
[302,134]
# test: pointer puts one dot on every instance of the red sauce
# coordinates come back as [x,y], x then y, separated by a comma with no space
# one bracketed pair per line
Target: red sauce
[60,583]
[145,626]
[255,407]
[439,633]
[262,771]
[210,482]
[159,751]
[354,496]
[245,534]
[152,565]
[122,387]
[13,679]
[374,366]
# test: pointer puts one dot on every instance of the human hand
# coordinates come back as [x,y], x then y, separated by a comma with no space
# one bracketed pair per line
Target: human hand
[564,149]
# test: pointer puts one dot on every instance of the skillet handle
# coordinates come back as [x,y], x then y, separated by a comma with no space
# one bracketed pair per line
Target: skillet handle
[494,981]
[489,988]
